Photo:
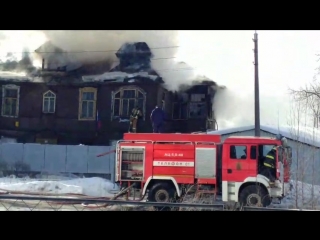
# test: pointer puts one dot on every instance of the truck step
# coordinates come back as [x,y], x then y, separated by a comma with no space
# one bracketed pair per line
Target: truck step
[199,192]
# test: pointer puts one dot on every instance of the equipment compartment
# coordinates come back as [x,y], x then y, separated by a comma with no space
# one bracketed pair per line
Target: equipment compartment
[132,163]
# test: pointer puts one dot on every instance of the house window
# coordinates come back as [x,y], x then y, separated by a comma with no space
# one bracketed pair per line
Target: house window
[179,111]
[238,152]
[10,100]
[197,106]
[197,97]
[125,99]
[87,103]
[49,102]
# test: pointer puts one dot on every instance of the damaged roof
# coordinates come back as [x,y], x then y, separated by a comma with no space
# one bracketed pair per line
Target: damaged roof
[48,47]
[122,77]
[65,78]
[134,67]
[134,48]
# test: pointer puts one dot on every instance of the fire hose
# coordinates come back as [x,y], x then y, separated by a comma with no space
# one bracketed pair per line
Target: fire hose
[84,197]
[106,153]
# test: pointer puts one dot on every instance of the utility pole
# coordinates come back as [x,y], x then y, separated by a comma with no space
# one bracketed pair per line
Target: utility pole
[256,88]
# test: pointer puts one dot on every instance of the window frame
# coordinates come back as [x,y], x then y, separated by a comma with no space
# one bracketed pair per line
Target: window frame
[89,90]
[121,98]
[4,88]
[203,103]
[54,102]
[238,145]
[180,109]
[256,152]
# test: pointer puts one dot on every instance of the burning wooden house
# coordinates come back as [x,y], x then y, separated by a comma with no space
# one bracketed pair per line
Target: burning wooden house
[66,102]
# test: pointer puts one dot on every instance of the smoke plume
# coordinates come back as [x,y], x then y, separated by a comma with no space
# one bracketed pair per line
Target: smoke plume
[95,46]
[226,57]
[92,46]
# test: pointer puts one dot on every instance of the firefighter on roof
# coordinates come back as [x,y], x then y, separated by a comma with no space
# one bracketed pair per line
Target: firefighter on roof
[269,164]
[134,117]
[157,119]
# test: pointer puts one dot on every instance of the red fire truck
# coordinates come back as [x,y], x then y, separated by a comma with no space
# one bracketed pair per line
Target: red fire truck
[164,165]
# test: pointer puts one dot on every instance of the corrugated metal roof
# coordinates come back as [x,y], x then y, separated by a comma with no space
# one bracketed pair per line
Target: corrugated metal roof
[301,134]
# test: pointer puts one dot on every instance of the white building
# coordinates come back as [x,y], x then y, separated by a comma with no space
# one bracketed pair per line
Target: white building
[305,143]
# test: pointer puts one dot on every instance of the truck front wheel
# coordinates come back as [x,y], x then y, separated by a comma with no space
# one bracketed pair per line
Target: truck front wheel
[161,192]
[254,196]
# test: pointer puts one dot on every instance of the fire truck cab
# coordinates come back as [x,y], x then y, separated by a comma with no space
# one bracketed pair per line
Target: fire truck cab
[163,166]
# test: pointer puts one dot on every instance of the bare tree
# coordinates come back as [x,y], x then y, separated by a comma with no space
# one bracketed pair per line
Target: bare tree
[309,95]
[294,122]
[305,109]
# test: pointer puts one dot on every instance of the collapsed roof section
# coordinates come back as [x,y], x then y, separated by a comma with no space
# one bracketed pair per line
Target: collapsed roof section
[134,66]
[123,77]
[134,57]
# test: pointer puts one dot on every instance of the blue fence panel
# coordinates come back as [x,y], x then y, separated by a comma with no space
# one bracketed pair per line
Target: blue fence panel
[77,159]
[99,164]
[59,158]
[12,153]
[34,155]
[55,158]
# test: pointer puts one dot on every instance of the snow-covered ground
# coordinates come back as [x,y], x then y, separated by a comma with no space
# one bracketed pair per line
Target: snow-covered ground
[302,195]
[93,187]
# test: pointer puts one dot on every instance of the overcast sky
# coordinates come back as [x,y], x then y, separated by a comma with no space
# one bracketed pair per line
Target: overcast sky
[286,58]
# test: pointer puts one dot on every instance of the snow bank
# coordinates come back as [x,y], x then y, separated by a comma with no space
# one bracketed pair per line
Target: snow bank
[52,187]
[302,195]
[93,187]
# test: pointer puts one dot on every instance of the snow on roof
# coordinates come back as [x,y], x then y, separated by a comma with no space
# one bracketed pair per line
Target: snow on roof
[307,135]
[12,76]
[118,76]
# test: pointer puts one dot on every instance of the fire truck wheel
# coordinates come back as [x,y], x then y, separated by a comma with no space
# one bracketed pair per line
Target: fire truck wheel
[254,196]
[161,192]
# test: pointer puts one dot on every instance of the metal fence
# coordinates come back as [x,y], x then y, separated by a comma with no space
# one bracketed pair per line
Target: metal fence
[56,158]
[10,202]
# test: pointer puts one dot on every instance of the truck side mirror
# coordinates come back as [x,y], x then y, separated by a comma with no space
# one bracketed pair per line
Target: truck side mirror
[289,152]
[289,155]
[280,154]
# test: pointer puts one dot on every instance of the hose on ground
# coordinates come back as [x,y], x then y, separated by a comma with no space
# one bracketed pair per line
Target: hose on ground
[82,196]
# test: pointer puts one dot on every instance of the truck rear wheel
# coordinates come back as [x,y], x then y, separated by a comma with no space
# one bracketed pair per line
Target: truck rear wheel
[254,196]
[161,192]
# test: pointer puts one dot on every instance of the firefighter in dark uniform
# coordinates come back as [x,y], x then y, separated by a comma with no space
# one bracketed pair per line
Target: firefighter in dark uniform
[134,117]
[269,164]
[157,118]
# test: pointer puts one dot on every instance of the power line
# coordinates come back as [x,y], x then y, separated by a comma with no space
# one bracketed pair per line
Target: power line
[153,59]
[116,61]
[91,51]
[172,69]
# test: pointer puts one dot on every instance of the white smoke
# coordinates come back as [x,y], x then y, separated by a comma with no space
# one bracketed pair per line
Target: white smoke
[93,46]
[286,58]
[13,44]
[104,44]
